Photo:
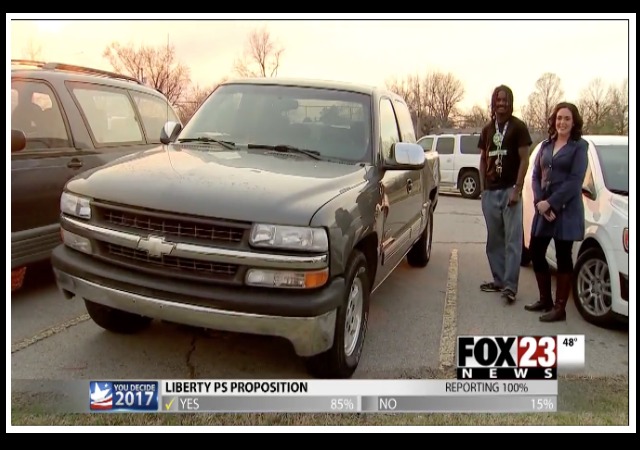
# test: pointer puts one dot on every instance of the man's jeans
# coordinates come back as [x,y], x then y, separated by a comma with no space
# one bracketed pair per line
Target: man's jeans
[504,237]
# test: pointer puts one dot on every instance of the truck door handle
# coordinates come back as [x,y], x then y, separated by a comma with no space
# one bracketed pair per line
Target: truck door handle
[75,163]
[409,185]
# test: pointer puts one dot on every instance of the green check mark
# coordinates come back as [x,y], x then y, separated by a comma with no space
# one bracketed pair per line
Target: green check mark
[168,405]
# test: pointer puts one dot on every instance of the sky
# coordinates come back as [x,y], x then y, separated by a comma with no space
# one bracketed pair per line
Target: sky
[482,54]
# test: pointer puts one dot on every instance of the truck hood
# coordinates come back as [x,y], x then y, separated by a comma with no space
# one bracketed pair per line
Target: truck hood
[254,185]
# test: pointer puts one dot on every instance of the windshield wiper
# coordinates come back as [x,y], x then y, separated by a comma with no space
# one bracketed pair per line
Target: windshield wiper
[226,144]
[620,191]
[288,149]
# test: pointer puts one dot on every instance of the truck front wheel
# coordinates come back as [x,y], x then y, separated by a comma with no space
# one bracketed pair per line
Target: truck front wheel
[342,359]
[115,320]
[420,253]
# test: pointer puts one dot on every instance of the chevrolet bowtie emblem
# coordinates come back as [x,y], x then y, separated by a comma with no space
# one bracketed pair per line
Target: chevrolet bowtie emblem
[155,246]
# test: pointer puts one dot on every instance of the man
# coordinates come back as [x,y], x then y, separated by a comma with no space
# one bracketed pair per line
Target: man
[504,147]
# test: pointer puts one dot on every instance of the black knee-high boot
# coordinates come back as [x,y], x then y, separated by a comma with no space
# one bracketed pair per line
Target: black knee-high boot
[545,303]
[563,290]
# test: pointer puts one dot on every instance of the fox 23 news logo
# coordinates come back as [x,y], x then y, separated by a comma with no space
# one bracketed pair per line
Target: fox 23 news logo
[123,396]
[507,357]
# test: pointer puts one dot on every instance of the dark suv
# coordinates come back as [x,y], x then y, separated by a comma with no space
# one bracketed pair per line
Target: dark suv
[67,119]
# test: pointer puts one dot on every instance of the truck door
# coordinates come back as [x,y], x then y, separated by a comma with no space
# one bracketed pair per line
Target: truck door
[397,188]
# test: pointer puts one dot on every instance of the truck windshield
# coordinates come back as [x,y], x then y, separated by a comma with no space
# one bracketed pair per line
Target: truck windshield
[333,123]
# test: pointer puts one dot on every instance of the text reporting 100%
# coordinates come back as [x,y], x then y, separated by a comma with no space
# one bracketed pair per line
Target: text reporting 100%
[342,404]
[515,387]
[542,404]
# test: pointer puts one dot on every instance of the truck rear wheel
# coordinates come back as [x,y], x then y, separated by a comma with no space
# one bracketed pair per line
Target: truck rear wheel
[115,320]
[341,360]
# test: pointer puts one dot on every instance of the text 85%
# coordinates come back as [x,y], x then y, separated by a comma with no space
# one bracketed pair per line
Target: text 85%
[342,404]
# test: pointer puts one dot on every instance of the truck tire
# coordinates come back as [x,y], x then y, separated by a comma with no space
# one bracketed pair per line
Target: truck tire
[341,360]
[469,184]
[420,253]
[115,320]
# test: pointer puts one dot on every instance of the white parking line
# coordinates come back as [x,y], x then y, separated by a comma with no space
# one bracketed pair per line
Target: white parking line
[44,334]
[449,328]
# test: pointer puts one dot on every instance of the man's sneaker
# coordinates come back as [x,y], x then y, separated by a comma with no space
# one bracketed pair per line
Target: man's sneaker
[490,287]
[509,295]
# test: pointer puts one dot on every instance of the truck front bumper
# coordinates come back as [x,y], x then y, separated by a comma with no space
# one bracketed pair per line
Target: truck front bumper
[306,319]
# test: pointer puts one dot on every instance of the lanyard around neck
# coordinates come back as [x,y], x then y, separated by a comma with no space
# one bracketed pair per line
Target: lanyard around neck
[499,137]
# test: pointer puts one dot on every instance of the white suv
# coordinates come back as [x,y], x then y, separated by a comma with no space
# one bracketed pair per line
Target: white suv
[601,273]
[459,161]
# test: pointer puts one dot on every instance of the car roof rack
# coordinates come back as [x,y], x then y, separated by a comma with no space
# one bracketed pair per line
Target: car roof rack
[73,68]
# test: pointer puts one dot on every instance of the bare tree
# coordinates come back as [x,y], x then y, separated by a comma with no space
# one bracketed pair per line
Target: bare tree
[618,99]
[156,67]
[193,99]
[432,99]
[32,50]
[261,56]
[476,117]
[440,95]
[595,106]
[410,88]
[449,92]
[548,93]
[400,87]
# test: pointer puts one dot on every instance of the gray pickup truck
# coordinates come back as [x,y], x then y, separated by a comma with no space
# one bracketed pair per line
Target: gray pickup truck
[277,210]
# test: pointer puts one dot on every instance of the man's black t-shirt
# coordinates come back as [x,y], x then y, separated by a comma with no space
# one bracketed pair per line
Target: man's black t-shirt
[507,156]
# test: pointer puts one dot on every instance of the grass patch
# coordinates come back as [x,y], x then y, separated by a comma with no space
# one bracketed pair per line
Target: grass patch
[588,401]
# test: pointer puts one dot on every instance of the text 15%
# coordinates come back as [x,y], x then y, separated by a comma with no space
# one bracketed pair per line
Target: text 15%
[543,404]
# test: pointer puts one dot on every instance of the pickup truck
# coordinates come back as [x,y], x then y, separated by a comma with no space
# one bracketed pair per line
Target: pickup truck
[277,210]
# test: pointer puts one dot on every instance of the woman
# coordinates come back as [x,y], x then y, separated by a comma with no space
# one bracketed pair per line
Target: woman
[558,174]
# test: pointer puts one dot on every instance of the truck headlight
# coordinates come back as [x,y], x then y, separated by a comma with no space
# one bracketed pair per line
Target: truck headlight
[75,206]
[291,238]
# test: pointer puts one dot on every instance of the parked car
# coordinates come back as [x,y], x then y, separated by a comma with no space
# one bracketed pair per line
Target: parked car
[72,119]
[278,210]
[459,158]
[601,274]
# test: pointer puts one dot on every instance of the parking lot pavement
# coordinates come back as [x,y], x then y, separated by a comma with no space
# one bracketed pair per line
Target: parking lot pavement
[414,319]
[482,313]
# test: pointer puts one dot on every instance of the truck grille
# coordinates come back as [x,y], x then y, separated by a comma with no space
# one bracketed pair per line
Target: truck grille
[206,269]
[175,228]
[172,226]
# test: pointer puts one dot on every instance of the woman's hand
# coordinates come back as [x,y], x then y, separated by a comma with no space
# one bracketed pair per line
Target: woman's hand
[543,207]
[549,215]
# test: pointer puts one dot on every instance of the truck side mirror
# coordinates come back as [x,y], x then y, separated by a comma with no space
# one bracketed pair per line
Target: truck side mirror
[406,156]
[170,132]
